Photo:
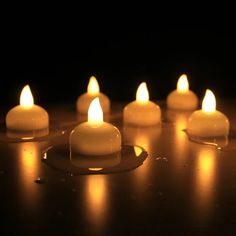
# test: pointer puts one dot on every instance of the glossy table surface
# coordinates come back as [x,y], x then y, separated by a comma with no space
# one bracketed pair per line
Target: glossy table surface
[182,188]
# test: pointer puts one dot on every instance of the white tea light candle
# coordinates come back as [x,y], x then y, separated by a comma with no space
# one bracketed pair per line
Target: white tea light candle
[27,116]
[95,137]
[142,111]
[208,122]
[93,91]
[182,98]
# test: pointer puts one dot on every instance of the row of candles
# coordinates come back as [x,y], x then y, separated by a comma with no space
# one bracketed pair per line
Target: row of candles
[96,137]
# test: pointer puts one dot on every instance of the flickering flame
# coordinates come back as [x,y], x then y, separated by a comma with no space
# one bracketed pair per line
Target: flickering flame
[137,151]
[93,86]
[209,102]
[26,97]
[95,169]
[95,113]
[142,95]
[182,84]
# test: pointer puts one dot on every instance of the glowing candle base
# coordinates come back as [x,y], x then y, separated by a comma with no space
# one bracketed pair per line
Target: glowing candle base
[95,137]
[19,118]
[27,116]
[182,98]
[182,101]
[142,111]
[208,122]
[144,114]
[91,139]
[202,124]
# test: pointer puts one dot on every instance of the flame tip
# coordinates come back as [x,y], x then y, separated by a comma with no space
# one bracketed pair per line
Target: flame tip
[209,101]
[95,113]
[182,84]
[93,86]
[26,97]
[142,94]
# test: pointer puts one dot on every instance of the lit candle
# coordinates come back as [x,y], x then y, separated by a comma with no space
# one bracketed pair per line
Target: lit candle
[93,91]
[182,98]
[95,137]
[142,111]
[27,116]
[208,122]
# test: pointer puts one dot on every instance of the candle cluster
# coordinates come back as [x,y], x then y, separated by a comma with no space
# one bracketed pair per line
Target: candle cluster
[96,137]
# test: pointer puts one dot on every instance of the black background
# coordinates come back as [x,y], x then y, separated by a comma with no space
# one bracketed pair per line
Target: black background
[57,59]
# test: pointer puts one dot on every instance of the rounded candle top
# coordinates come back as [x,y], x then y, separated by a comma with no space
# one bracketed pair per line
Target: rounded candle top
[95,137]
[26,97]
[182,84]
[142,111]
[182,98]
[93,86]
[208,122]
[27,116]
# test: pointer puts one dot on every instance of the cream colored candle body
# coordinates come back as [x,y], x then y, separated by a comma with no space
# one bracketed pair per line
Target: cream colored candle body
[208,122]
[182,98]
[95,137]
[27,116]
[145,114]
[92,139]
[142,111]
[182,101]
[27,119]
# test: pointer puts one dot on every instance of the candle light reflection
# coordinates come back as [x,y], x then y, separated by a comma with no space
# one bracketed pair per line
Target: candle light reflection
[205,180]
[29,153]
[96,195]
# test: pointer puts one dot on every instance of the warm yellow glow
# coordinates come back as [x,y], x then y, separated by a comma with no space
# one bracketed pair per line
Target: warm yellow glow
[95,169]
[205,175]
[182,84]
[96,198]
[95,113]
[26,97]
[209,102]
[142,94]
[28,170]
[93,86]
[137,151]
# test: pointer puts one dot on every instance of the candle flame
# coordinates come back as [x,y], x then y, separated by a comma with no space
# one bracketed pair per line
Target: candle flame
[95,113]
[137,151]
[182,84]
[26,97]
[209,101]
[142,94]
[95,169]
[93,86]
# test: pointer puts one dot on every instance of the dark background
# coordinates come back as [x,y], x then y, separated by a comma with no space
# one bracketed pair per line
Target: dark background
[57,60]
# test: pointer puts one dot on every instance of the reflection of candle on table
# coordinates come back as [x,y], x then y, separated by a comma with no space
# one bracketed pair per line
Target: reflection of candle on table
[95,137]
[93,91]
[27,116]
[96,164]
[142,111]
[182,98]
[208,122]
